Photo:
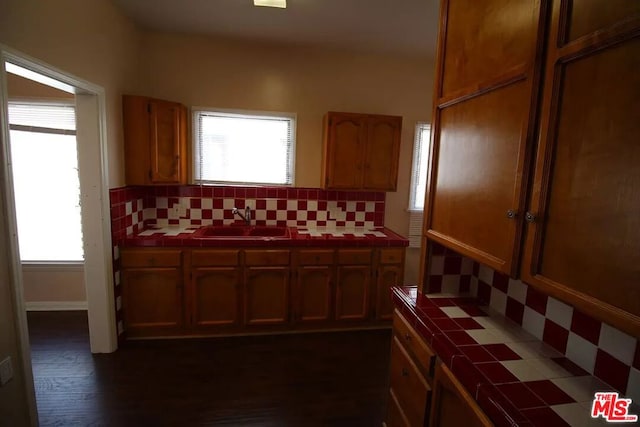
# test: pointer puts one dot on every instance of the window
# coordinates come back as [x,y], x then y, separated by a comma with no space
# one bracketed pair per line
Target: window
[419,168]
[244,148]
[46,185]
[418,183]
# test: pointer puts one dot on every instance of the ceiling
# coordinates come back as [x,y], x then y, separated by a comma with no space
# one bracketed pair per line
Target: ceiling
[386,26]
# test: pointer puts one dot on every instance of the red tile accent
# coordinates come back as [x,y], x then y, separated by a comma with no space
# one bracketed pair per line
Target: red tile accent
[496,373]
[550,393]
[446,324]
[465,283]
[569,366]
[195,203]
[500,281]
[437,249]
[515,310]
[477,353]
[467,323]
[555,335]
[443,302]
[586,326]
[484,292]
[460,338]
[500,410]
[435,283]
[472,310]
[520,395]
[452,265]
[536,300]
[612,371]
[544,417]
[501,352]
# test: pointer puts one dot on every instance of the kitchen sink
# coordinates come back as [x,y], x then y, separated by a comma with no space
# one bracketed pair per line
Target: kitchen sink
[234,231]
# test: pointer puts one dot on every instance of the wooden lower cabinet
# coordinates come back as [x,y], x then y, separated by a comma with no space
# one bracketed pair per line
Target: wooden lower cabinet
[172,291]
[312,292]
[152,299]
[452,405]
[266,295]
[215,296]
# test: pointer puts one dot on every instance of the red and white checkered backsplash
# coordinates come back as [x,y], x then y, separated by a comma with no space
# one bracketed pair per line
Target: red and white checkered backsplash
[600,349]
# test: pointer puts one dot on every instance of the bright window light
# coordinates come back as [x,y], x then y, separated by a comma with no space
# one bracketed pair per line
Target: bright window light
[419,170]
[252,148]
[282,4]
[44,160]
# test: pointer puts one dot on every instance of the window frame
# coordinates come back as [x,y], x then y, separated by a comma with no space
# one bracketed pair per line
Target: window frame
[419,147]
[225,112]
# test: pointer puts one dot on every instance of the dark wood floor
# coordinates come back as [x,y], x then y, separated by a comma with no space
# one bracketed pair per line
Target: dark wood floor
[323,379]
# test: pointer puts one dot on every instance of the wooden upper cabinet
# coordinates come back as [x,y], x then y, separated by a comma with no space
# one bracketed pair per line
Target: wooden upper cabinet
[155,134]
[582,242]
[488,71]
[361,151]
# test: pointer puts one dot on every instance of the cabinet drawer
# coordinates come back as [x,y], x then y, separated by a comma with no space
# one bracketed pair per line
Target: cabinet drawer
[423,355]
[354,256]
[315,257]
[408,385]
[214,258]
[391,256]
[150,258]
[257,257]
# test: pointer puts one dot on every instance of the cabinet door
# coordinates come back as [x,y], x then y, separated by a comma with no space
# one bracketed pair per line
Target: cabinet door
[408,385]
[381,153]
[152,299]
[166,127]
[345,136]
[313,293]
[582,241]
[484,126]
[387,276]
[266,295]
[452,405]
[214,296]
[352,294]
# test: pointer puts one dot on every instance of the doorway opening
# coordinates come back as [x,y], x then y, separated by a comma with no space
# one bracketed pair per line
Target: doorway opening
[89,103]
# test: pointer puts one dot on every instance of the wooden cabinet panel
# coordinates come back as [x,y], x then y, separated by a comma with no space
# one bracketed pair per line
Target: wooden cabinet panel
[410,339]
[354,256]
[266,295]
[215,257]
[315,257]
[478,177]
[584,17]
[150,258]
[352,294]
[346,135]
[582,243]
[266,257]
[381,153]
[481,41]
[408,385]
[215,296]
[313,293]
[386,277]
[395,415]
[152,298]
[452,405]
[155,133]
[361,151]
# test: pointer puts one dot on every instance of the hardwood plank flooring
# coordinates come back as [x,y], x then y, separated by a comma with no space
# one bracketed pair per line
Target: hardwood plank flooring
[320,379]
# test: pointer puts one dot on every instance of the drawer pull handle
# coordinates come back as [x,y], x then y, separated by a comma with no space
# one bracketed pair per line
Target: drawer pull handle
[407,336]
[405,372]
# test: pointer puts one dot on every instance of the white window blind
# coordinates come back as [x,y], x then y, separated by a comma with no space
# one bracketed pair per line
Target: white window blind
[418,183]
[46,185]
[239,148]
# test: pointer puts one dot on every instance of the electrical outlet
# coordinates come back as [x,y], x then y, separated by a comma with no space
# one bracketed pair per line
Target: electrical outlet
[6,371]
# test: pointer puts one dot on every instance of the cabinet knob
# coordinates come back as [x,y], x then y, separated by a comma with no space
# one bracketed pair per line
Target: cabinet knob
[529,217]
[405,372]
[511,214]
[407,337]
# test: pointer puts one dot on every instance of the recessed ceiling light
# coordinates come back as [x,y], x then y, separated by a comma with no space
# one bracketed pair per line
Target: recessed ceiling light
[282,4]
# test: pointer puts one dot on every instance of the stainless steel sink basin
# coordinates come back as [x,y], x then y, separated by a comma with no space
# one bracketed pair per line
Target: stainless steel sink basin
[231,231]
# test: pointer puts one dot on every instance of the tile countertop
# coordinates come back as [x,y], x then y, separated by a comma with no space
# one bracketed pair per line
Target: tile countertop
[515,378]
[297,236]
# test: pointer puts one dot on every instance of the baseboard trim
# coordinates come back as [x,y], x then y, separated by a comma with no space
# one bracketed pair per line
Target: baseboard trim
[56,305]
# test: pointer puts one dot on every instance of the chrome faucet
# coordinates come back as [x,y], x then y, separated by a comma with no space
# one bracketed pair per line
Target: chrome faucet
[247,214]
